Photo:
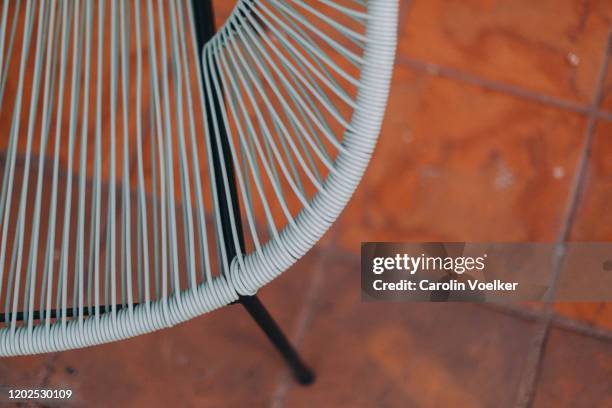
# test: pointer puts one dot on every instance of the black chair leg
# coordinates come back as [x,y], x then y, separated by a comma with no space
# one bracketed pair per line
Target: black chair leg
[302,373]
[205,29]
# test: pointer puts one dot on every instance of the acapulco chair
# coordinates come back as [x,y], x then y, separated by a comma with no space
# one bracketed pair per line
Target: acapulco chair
[154,169]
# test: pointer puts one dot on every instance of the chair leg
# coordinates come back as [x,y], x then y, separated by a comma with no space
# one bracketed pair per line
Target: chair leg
[205,29]
[302,373]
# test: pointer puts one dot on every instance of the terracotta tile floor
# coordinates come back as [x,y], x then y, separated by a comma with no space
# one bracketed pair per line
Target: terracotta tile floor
[407,354]
[499,128]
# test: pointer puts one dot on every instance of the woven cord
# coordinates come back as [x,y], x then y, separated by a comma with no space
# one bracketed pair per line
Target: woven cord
[111,120]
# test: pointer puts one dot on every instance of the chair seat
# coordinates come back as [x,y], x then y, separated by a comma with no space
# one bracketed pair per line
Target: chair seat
[146,180]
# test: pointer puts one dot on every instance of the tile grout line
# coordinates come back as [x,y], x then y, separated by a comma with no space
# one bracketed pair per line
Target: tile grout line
[518,311]
[285,381]
[512,90]
[603,115]
[535,354]
[585,329]
[558,321]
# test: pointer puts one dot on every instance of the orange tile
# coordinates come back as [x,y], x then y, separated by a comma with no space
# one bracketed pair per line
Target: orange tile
[408,354]
[575,372]
[553,47]
[458,163]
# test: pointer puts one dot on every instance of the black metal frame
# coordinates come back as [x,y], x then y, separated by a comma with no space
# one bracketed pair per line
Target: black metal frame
[205,30]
